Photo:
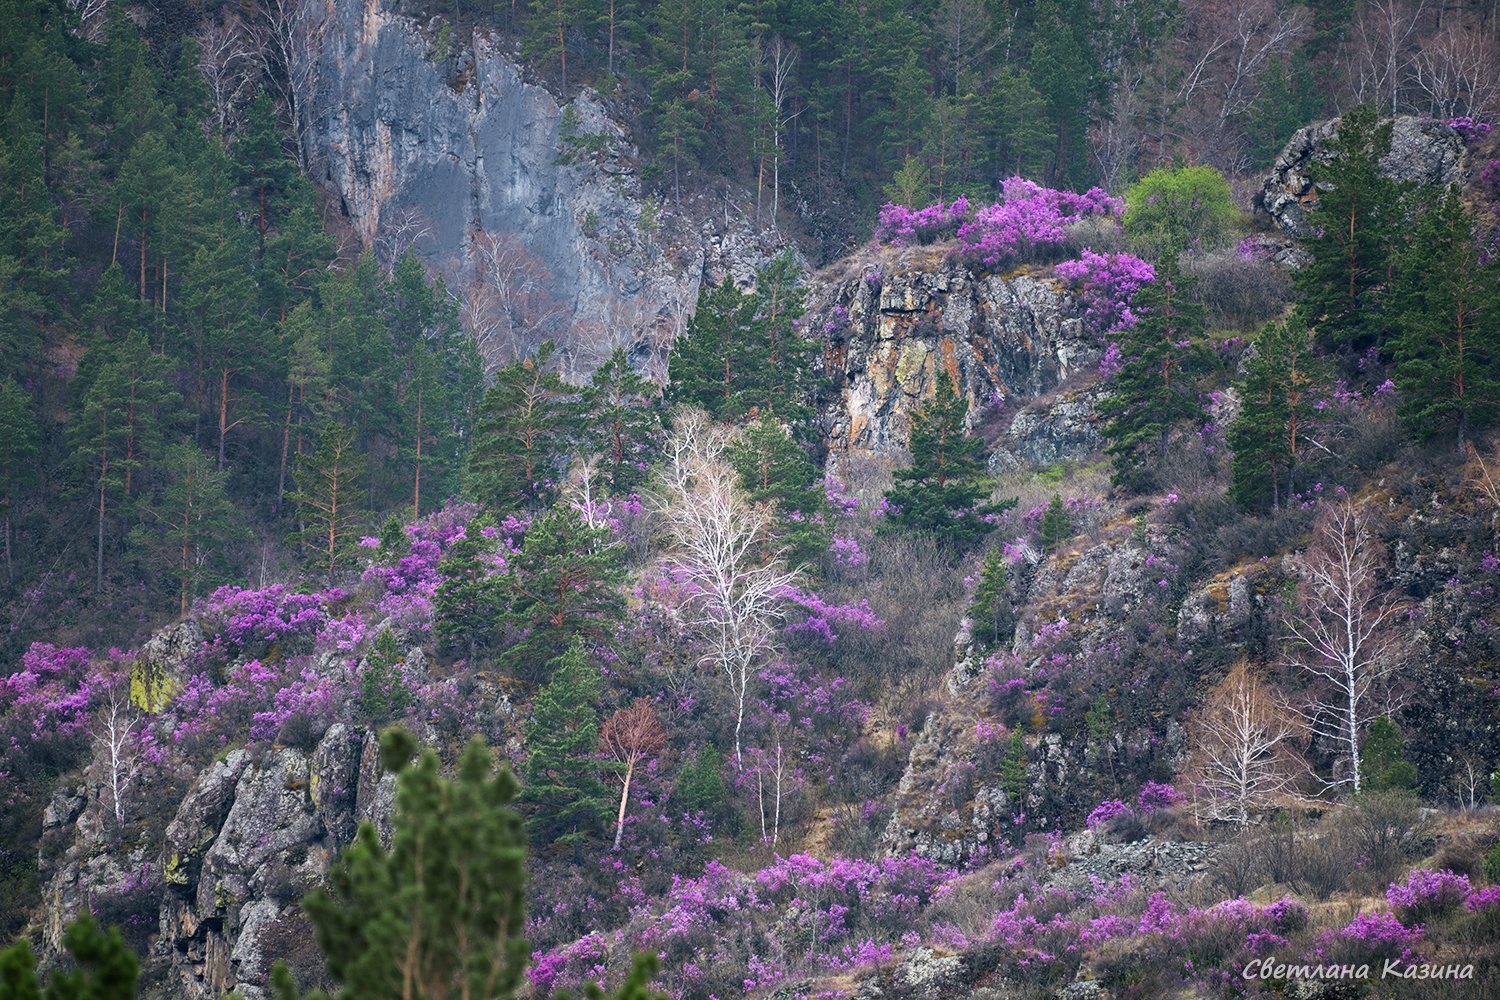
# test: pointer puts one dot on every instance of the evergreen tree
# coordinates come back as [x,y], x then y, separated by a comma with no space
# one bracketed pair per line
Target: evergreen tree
[944,491]
[190,520]
[1446,344]
[1057,524]
[469,601]
[442,912]
[329,499]
[526,425]
[1276,413]
[745,354]
[570,804]
[261,166]
[1156,388]
[1013,772]
[1350,235]
[700,787]
[19,450]
[563,586]
[624,422]
[1383,761]
[103,967]
[776,470]
[991,619]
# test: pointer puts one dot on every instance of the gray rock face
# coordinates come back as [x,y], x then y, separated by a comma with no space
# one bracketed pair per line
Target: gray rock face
[448,151]
[893,321]
[249,839]
[1423,151]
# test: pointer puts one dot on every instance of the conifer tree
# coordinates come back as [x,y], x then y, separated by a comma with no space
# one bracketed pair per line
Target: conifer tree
[19,450]
[623,422]
[1156,388]
[943,493]
[329,498]
[104,968]
[1350,235]
[526,424]
[187,523]
[442,912]
[1383,763]
[776,470]
[1277,409]
[562,587]
[469,601]
[991,619]
[1446,310]
[561,779]
[1057,524]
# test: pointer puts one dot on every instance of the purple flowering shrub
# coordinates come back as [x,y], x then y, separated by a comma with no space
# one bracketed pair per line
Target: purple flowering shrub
[1028,220]
[1106,285]
[1427,893]
[44,715]
[1369,937]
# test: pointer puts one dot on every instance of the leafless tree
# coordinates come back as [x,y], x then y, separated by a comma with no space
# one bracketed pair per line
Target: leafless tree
[964,30]
[628,737]
[1457,72]
[509,308]
[783,61]
[400,233]
[1343,631]
[1243,759]
[286,36]
[113,736]
[723,546]
[1471,780]
[1226,49]
[1378,53]
[92,17]
[230,64]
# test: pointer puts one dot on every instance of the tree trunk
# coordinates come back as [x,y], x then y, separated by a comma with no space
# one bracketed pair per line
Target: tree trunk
[624,800]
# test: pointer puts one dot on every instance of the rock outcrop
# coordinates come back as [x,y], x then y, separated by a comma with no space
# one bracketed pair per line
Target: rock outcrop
[1423,151]
[893,321]
[439,143]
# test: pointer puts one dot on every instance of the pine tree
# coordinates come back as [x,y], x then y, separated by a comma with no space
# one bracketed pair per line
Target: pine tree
[1013,772]
[991,619]
[329,498]
[700,787]
[19,450]
[469,601]
[443,911]
[526,425]
[103,967]
[1350,236]
[1156,388]
[744,353]
[1446,310]
[943,493]
[187,523]
[570,805]
[261,166]
[776,470]
[624,422]
[1383,762]
[563,587]
[1057,524]
[1276,413]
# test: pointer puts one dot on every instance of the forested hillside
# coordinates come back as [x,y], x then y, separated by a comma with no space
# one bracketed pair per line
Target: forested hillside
[1057,558]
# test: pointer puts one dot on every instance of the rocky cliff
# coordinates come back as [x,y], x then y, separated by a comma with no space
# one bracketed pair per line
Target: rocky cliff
[1423,151]
[441,144]
[894,320]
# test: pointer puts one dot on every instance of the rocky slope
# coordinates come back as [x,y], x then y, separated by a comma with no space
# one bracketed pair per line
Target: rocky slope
[443,146]
[1423,151]
[894,320]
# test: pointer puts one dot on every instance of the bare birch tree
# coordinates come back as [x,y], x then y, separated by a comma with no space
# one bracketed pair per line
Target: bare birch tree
[230,64]
[286,36]
[113,736]
[1243,757]
[723,546]
[1343,631]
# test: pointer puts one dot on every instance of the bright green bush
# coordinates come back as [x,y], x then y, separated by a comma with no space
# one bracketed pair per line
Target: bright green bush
[1189,208]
